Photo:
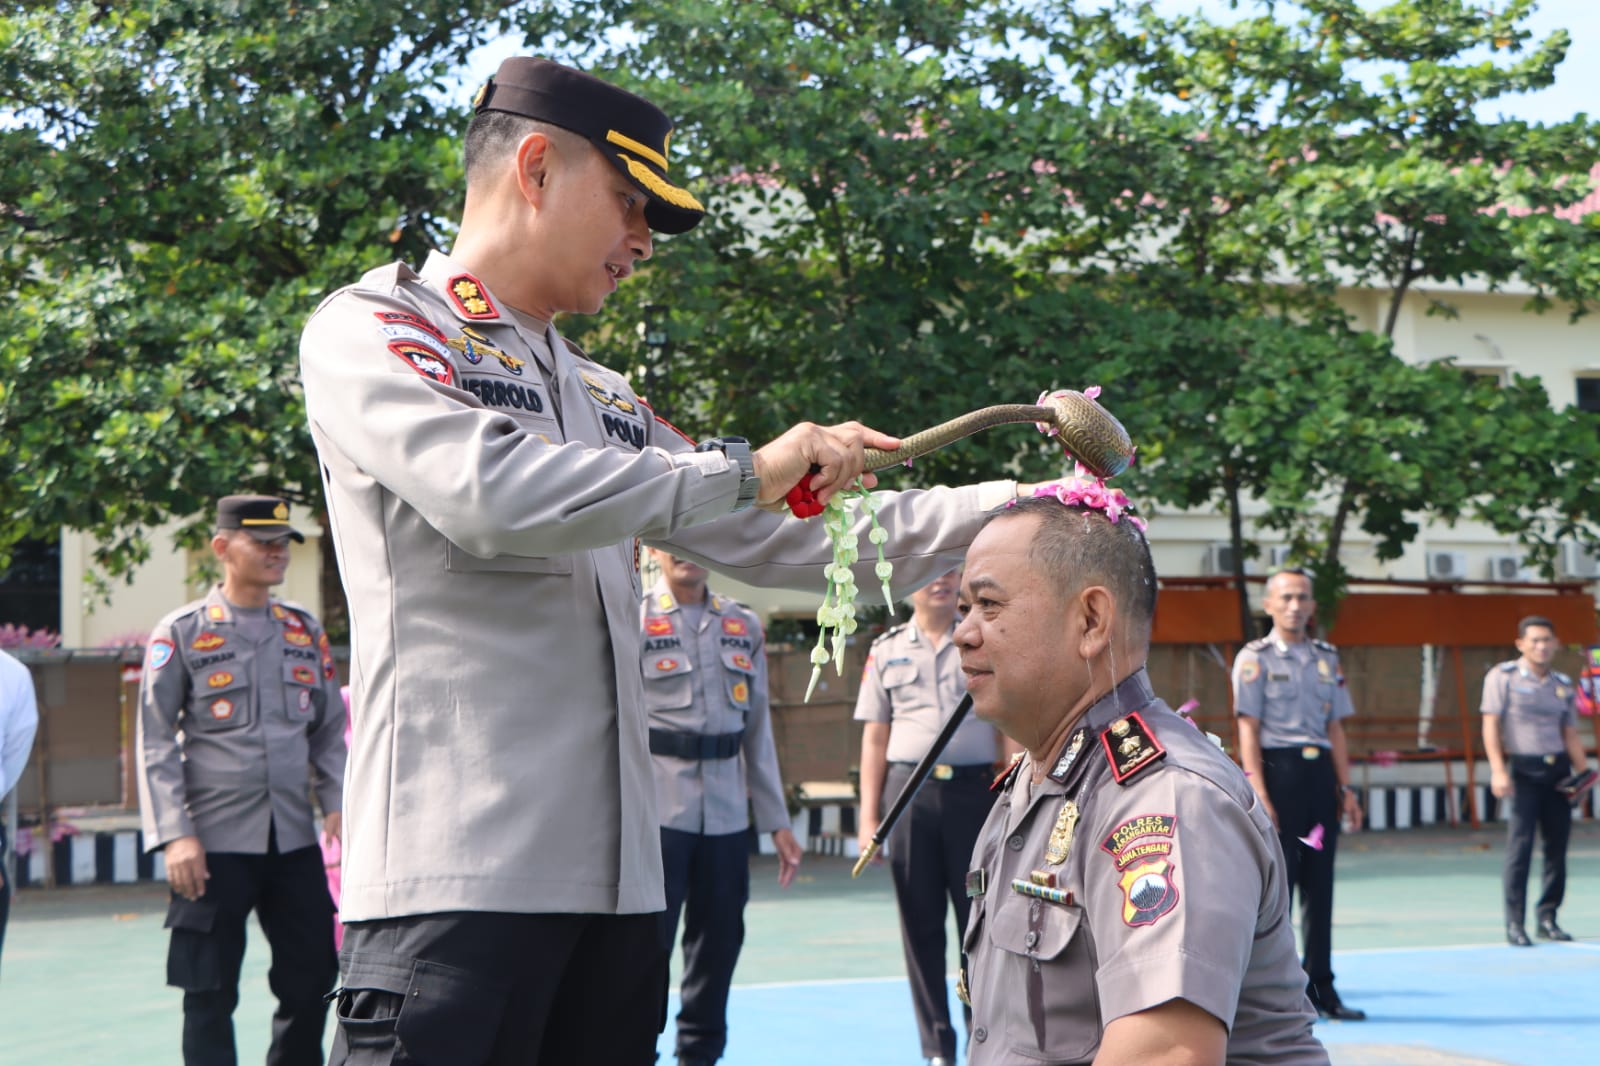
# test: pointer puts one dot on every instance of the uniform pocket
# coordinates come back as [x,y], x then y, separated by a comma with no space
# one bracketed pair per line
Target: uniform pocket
[667,678]
[395,1011]
[460,561]
[222,701]
[300,682]
[898,675]
[739,670]
[194,961]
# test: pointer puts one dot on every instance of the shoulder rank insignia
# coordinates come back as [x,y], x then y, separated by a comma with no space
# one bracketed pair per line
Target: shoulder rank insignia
[469,297]
[1130,746]
[1003,778]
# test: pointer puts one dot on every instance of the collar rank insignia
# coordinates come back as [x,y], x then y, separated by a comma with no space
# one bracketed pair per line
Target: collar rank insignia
[1068,757]
[1130,747]
[1055,853]
[470,298]
[1003,778]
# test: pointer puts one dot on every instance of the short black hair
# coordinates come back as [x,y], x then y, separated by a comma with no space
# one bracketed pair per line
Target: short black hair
[1534,620]
[1078,546]
[492,135]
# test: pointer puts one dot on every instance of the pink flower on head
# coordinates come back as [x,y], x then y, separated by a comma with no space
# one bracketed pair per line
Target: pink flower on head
[1046,428]
[1092,392]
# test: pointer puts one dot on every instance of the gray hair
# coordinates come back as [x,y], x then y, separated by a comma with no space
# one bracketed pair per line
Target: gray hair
[1078,546]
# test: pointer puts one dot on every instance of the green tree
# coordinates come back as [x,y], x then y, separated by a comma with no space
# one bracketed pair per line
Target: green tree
[184,180]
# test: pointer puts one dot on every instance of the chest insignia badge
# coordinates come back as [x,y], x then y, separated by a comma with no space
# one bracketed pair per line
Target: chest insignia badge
[1055,853]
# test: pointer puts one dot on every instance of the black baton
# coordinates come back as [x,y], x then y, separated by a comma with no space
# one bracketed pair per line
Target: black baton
[918,776]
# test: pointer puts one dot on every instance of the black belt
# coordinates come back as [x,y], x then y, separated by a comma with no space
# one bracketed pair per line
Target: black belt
[1308,752]
[947,772]
[1542,760]
[695,745]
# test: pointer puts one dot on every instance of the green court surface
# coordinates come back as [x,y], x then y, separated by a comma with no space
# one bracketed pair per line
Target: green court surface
[1417,936]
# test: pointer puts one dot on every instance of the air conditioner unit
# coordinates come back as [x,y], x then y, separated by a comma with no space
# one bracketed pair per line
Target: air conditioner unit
[1447,566]
[1580,560]
[1278,556]
[1219,560]
[1508,568]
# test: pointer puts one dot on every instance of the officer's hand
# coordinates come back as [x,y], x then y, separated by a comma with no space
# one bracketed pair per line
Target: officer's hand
[836,450]
[333,827]
[186,867]
[1500,784]
[788,856]
[1352,810]
[865,831]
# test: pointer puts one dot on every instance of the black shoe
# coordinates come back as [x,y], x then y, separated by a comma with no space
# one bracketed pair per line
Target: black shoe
[695,1060]
[1517,936]
[1330,1007]
[1549,930]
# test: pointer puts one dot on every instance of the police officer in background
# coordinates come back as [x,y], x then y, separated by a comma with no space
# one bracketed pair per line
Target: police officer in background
[1127,900]
[1290,696]
[19,721]
[911,685]
[1530,734]
[704,663]
[240,722]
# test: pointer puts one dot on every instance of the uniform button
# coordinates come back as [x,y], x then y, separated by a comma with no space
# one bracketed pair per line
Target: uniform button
[1015,843]
[1031,939]
[980,1034]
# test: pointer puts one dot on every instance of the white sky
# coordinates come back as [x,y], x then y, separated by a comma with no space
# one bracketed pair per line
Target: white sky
[1577,86]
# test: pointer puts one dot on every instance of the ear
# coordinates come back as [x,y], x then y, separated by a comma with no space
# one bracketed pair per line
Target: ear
[1097,613]
[219,544]
[535,160]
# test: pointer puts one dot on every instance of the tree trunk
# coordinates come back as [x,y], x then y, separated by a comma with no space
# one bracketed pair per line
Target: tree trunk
[1236,537]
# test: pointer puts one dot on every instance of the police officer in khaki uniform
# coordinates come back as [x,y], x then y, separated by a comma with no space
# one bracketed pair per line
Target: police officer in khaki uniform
[704,662]
[486,482]
[1290,696]
[240,722]
[1530,734]
[1128,897]
[910,686]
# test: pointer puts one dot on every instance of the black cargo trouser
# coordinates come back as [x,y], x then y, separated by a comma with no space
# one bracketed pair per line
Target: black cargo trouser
[1536,804]
[708,883]
[475,988]
[1305,794]
[930,851]
[289,893]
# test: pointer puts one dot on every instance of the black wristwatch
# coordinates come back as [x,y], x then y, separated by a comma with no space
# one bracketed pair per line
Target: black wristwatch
[737,449]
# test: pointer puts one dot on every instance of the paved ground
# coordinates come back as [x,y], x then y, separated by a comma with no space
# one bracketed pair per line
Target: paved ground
[1417,932]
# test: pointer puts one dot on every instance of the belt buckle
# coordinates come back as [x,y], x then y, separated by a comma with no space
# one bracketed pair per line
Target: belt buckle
[943,772]
[1311,751]
[1550,760]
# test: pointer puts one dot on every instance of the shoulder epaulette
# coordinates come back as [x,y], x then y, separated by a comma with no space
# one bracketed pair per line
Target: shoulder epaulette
[1324,645]
[1508,666]
[1005,777]
[1259,644]
[1563,678]
[1130,746]
[891,631]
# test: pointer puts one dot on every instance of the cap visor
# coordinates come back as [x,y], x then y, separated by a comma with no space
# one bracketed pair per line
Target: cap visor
[272,533]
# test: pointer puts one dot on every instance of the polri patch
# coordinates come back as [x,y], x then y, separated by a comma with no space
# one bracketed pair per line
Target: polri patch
[222,710]
[161,650]
[423,361]
[305,675]
[298,637]
[657,626]
[220,679]
[403,319]
[1149,891]
[208,642]
[1249,670]
[742,661]
[1140,837]
[741,693]
[734,627]
[664,665]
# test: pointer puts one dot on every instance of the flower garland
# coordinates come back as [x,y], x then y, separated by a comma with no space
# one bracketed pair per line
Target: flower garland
[837,615]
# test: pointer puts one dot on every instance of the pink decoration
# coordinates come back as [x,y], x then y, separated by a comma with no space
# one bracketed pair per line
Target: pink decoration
[1313,839]
[1083,489]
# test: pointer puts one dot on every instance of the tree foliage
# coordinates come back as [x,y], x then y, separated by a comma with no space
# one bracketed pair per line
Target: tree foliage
[916,209]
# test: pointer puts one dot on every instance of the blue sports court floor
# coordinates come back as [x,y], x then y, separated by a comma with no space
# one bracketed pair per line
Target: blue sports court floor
[1417,938]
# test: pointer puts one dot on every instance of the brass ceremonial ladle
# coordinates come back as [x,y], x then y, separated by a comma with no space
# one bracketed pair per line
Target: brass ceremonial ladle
[1087,431]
